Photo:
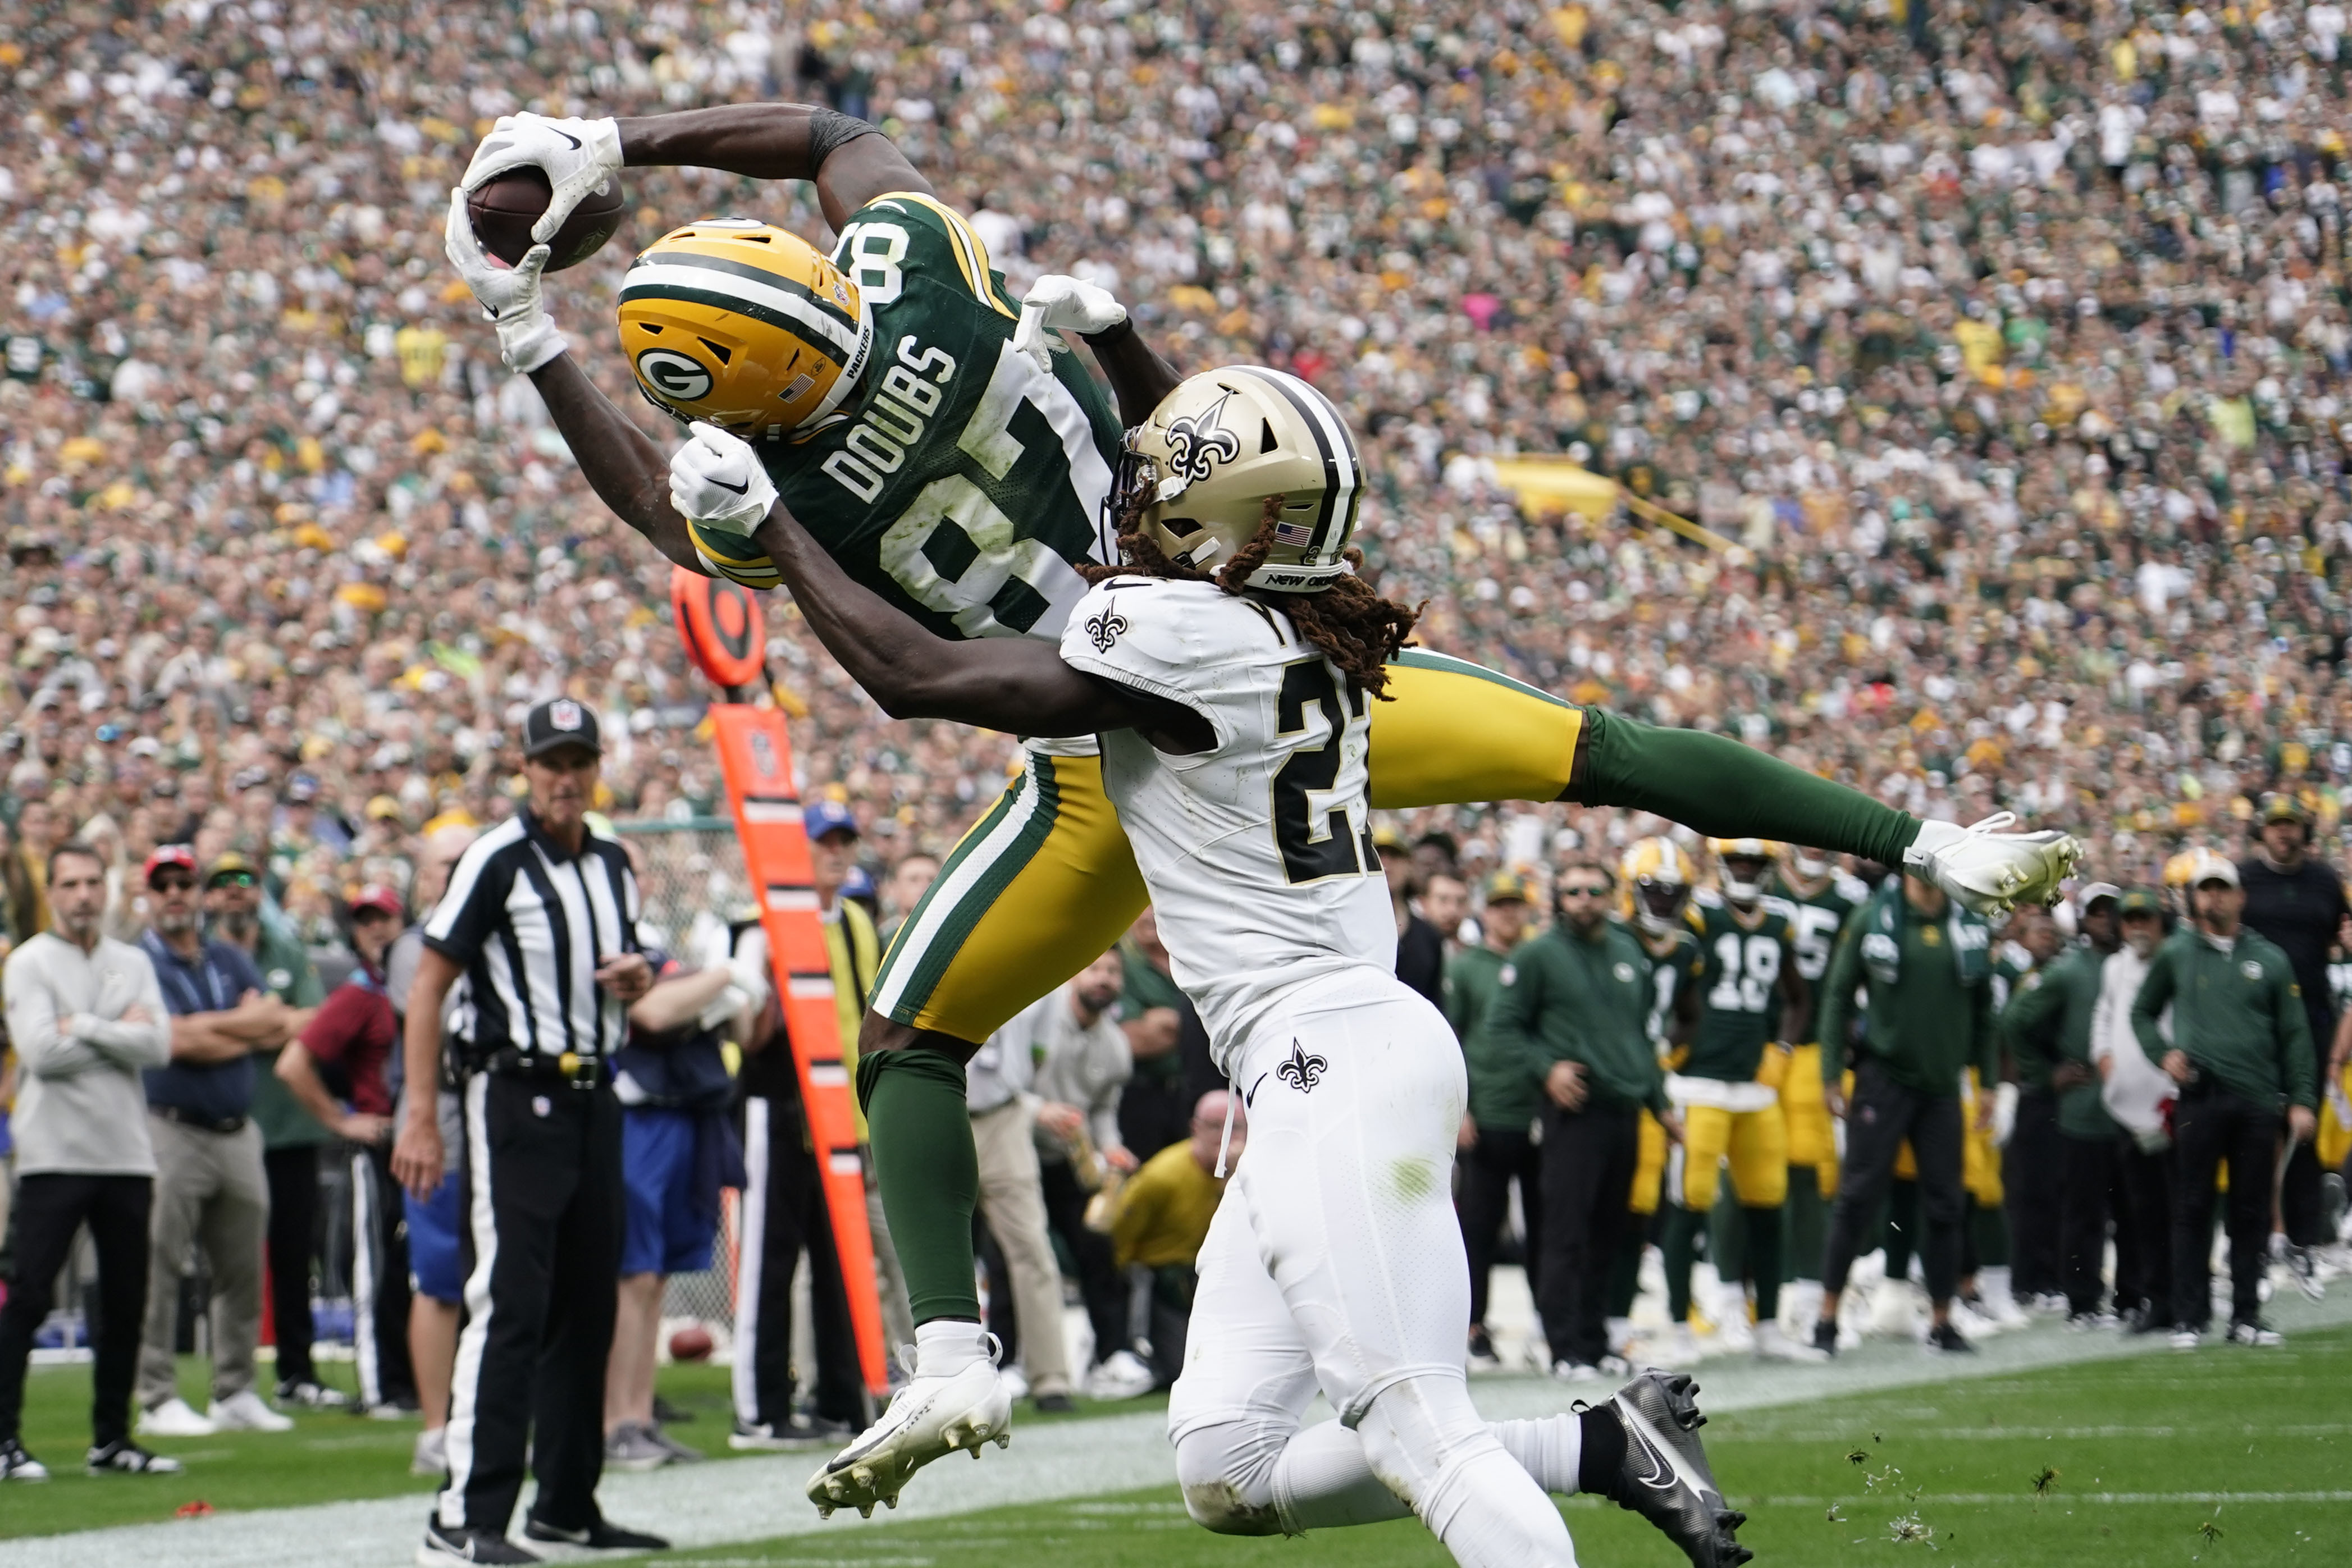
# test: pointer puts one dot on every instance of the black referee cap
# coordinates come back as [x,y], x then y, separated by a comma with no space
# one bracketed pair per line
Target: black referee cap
[559,722]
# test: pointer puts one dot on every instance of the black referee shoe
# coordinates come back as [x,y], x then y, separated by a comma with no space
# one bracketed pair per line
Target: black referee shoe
[602,1535]
[456,1545]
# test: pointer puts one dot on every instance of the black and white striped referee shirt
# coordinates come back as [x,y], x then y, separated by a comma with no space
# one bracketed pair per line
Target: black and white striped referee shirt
[530,924]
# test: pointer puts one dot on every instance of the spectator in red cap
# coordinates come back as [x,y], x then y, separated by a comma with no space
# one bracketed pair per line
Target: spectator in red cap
[336,1070]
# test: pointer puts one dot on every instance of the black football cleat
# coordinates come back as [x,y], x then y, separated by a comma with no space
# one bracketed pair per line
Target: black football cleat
[1666,1478]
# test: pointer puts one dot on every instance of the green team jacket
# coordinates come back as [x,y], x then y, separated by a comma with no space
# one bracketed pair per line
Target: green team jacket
[1924,1027]
[1564,999]
[286,969]
[1503,1093]
[2048,1021]
[2237,1013]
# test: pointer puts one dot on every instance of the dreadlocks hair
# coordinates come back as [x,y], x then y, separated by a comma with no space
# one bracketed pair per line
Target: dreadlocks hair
[1350,624]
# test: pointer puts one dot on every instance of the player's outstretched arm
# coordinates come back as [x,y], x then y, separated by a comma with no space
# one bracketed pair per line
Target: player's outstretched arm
[851,161]
[1726,789]
[1012,684]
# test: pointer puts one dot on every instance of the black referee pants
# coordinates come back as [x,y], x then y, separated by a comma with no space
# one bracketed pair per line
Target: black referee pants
[1501,1156]
[51,1208]
[1882,1116]
[1588,1173]
[542,1259]
[292,1244]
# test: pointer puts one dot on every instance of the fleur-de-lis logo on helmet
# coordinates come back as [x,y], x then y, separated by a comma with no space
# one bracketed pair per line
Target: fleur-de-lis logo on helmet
[1302,1071]
[1197,442]
[1103,629]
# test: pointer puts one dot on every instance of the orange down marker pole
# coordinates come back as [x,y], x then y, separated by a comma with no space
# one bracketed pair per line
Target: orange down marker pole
[721,627]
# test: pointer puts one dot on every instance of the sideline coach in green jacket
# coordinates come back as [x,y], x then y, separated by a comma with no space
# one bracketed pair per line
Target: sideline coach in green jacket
[1576,999]
[2240,1053]
[1927,966]
[1497,1141]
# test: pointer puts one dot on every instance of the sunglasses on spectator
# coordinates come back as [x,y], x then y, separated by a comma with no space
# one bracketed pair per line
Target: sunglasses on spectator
[1585,890]
[232,879]
[170,882]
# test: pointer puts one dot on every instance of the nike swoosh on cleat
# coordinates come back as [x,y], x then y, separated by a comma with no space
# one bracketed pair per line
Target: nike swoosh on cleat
[738,489]
[575,1537]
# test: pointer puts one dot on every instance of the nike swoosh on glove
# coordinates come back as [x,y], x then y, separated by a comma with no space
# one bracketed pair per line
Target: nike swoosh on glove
[716,480]
[1058,302]
[578,156]
[509,295]
[1989,871]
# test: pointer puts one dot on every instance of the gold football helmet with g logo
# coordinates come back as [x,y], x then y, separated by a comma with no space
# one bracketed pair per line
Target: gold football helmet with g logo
[746,326]
[1656,877]
[1218,447]
[1743,886]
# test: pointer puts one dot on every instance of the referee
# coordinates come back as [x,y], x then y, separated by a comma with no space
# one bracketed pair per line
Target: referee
[539,919]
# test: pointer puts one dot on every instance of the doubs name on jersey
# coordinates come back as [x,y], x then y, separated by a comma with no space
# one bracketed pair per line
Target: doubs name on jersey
[894,421]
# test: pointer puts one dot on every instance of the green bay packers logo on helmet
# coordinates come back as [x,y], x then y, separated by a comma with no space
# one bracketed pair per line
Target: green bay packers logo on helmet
[746,326]
[1201,471]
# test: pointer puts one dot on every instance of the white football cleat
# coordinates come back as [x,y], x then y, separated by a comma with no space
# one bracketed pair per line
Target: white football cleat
[1673,1347]
[175,1418]
[927,1419]
[245,1412]
[1772,1344]
[1989,871]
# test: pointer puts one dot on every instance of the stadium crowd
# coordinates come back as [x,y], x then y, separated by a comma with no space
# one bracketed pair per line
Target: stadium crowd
[1995,348]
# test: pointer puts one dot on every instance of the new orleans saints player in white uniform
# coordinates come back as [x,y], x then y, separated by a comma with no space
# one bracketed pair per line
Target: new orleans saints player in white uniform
[1234,713]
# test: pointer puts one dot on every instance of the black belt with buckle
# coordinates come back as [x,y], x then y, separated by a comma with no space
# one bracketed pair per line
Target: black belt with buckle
[579,1072]
[220,1124]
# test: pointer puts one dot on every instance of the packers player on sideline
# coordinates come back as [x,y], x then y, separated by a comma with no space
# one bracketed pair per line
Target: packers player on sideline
[929,439]
[1820,896]
[1657,878]
[1751,998]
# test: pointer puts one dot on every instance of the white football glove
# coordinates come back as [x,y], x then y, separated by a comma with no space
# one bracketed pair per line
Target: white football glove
[2004,1114]
[1057,303]
[578,155]
[715,478]
[509,295]
[1989,871]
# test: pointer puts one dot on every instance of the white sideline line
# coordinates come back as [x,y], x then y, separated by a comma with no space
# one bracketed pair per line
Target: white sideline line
[2054,1498]
[744,1500]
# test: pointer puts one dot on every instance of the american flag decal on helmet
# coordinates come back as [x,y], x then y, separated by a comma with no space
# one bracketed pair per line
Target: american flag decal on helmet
[1298,534]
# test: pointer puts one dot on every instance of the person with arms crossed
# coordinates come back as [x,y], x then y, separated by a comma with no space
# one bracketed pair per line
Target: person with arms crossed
[2240,1053]
[899,369]
[85,1018]
[540,918]
[290,1136]
[210,1183]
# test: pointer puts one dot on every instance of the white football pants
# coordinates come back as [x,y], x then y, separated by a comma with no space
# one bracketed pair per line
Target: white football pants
[1334,1261]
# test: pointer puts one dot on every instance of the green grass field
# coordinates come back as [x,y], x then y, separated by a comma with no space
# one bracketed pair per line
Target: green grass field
[2131,1457]
[2226,1457]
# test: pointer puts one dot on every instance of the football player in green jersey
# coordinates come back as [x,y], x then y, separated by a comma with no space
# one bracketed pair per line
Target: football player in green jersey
[1752,997]
[891,399]
[1823,896]
[1657,878]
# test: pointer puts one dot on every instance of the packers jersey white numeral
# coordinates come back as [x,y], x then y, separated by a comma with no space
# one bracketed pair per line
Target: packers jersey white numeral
[1257,852]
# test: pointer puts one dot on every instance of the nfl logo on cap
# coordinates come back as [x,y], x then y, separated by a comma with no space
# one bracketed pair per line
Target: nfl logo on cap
[565,715]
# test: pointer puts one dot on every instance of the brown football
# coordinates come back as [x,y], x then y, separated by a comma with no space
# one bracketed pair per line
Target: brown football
[691,1343]
[503,210]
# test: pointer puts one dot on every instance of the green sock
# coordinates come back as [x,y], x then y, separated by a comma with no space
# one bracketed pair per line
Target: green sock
[1990,1227]
[1726,1238]
[928,1174]
[1764,1238]
[1679,1242]
[1808,1223]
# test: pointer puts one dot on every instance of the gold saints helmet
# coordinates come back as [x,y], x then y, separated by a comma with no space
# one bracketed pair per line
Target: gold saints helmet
[1739,889]
[1218,447]
[1657,878]
[745,325]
